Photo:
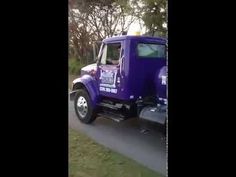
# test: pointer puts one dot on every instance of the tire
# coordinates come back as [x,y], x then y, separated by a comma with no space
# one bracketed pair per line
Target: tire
[83,107]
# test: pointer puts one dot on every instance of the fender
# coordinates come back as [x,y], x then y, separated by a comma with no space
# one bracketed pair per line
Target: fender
[89,83]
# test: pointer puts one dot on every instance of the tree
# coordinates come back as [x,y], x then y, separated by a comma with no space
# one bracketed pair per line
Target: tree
[94,20]
[153,14]
[106,17]
[80,36]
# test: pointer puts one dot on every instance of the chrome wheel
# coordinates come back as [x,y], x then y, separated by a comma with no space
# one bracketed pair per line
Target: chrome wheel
[82,106]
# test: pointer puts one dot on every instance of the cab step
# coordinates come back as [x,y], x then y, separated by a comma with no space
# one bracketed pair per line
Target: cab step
[110,106]
[112,116]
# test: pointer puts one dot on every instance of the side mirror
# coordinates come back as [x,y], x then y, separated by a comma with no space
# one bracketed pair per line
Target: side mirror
[96,46]
[96,59]
[94,53]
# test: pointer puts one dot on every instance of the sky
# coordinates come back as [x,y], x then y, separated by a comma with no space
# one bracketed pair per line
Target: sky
[135,27]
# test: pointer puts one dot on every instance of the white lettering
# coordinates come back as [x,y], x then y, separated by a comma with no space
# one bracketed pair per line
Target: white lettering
[113,90]
[163,80]
[108,90]
[102,89]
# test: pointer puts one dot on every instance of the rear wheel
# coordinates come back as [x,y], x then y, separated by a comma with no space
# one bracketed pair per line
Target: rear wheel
[83,107]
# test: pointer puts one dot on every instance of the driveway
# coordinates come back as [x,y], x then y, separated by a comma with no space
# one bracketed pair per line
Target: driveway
[147,148]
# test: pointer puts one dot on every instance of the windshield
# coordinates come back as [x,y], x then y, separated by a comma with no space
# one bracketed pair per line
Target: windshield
[151,50]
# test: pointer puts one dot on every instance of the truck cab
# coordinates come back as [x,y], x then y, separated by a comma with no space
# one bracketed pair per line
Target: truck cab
[128,80]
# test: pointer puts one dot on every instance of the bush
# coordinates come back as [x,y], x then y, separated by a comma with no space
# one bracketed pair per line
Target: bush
[74,66]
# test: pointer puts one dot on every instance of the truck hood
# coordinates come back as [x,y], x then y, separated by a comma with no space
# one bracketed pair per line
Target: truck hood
[89,68]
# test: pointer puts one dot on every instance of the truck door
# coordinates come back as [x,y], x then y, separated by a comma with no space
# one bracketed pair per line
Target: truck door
[109,69]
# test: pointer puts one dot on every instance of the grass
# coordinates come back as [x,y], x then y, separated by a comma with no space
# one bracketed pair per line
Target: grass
[74,69]
[89,159]
[75,66]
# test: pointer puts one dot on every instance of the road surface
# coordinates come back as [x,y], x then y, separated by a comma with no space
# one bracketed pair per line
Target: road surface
[127,138]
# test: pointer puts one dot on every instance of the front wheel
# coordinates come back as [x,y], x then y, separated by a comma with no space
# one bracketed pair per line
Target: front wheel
[83,107]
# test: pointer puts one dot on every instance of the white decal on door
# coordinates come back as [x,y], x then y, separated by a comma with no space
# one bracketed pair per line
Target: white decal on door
[108,78]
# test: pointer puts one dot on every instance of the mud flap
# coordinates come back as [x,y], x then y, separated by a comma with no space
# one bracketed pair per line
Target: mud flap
[154,114]
[72,95]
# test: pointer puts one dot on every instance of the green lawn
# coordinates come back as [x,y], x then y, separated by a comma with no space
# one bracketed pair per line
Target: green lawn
[89,159]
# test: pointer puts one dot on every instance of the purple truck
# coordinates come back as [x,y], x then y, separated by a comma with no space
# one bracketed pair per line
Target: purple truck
[128,80]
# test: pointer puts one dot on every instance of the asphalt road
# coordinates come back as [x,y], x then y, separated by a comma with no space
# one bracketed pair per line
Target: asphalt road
[147,148]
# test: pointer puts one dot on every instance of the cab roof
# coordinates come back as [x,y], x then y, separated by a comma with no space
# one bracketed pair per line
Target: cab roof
[125,37]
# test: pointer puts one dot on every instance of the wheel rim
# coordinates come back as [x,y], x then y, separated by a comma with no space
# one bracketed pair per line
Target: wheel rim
[82,106]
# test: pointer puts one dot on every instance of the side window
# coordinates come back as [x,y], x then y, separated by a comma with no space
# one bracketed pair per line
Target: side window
[111,54]
[151,50]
